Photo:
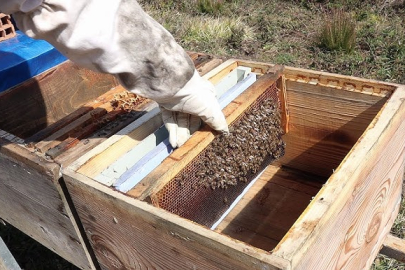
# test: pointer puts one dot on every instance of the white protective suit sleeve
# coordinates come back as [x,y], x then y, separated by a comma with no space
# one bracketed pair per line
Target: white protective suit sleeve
[119,38]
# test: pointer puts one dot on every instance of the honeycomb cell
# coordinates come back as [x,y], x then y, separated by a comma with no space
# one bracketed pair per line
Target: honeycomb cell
[206,187]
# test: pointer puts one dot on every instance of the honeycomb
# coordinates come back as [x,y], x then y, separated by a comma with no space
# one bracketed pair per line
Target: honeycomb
[207,186]
[126,101]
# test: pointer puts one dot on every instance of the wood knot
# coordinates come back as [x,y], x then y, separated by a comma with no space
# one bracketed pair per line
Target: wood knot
[374,227]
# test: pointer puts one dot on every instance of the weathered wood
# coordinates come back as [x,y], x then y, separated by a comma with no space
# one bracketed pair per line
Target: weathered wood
[62,134]
[182,156]
[42,134]
[82,133]
[100,107]
[97,138]
[206,67]
[203,62]
[350,217]
[7,261]
[49,97]
[341,126]
[394,248]
[100,162]
[31,202]
[326,120]
[80,112]
[257,67]
[274,202]
[141,236]
[342,82]
[10,137]
[201,59]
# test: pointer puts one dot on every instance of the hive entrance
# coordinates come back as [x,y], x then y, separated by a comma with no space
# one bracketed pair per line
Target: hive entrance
[207,186]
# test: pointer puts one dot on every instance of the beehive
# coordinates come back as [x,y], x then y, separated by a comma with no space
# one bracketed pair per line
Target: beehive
[47,123]
[327,204]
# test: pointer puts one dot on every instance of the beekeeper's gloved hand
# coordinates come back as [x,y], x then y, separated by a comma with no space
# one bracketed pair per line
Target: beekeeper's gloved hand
[119,38]
[196,99]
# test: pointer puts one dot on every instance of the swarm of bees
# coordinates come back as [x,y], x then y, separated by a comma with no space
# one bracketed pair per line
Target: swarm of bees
[126,101]
[254,141]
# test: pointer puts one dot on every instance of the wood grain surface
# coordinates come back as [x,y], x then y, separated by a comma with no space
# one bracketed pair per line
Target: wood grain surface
[129,234]
[348,220]
[31,202]
[394,247]
[43,100]
[274,203]
[324,124]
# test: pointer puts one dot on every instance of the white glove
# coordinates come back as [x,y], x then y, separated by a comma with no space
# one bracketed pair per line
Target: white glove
[180,126]
[121,39]
[197,97]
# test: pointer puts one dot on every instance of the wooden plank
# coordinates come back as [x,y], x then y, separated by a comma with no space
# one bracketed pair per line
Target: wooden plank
[203,62]
[57,137]
[326,120]
[284,110]
[183,155]
[177,244]
[7,261]
[125,164]
[76,135]
[144,166]
[201,59]
[274,203]
[42,134]
[30,201]
[10,137]
[193,55]
[85,145]
[342,82]
[151,109]
[97,160]
[33,105]
[101,107]
[86,108]
[206,67]
[394,248]
[257,67]
[221,71]
[348,220]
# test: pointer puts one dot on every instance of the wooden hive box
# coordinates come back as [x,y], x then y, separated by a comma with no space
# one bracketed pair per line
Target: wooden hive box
[47,122]
[327,204]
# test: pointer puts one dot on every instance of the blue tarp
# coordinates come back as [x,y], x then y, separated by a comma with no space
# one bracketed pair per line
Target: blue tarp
[22,58]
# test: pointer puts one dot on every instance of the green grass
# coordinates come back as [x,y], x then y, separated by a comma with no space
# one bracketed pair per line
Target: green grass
[289,32]
[280,32]
[338,32]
